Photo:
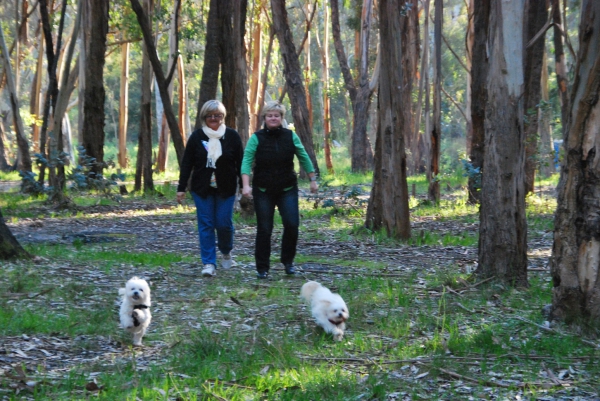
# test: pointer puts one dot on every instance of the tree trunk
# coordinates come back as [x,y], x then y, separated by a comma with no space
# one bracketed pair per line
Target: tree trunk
[469,50]
[536,17]
[4,164]
[293,77]
[307,67]
[212,59]
[326,99]
[241,70]
[93,108]
[67,86]
[36,91]
[9,246]
[503,228]
[123,105]
[388,203]
[574,261]
[340,52]
[546,149]
[143,170]
[479,72]
[423,77]
[161,80]
[360,141]
[184,123]
[228,63]
[24,159]
[256,65]
[436,133]
[164,137]
[264,78]
[561,67]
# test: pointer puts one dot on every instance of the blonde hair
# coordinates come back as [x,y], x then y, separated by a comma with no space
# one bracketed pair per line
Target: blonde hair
[272,106]
[210,106]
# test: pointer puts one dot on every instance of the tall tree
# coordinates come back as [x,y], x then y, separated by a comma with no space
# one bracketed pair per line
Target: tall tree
[360,92]
[561,66]
[143,171]
[123,105]
[326,99]
[503,228]
[536,15]
[164,137]
[24,159]
[93,107]
[161,80]
[479,73]
[388,203]
[433,169]
[241,68]
[9,246]
[212,59]
[293,78]
[547,167]
[256,64]
[576,248]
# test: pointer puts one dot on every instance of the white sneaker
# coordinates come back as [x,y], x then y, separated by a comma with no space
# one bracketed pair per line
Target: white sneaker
[227,262]
[209,270]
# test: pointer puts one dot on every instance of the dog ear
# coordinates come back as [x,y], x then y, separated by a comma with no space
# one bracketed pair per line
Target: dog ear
[122,291]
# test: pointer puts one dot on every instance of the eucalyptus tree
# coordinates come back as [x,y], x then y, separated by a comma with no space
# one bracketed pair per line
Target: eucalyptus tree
[478,74]
[502,228]
[388,203]
[94,93]
[536,15]
[576,249]
[293,78]
[9,246]
[360,90]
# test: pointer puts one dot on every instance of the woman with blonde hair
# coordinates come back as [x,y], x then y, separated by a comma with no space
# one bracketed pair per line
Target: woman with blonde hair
[275,184]
[213,158]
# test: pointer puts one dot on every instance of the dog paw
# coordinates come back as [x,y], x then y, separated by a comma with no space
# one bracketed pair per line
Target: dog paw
[338,337]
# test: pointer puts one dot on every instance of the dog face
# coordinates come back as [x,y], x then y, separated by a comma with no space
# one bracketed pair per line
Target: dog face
[337,311]
[137,291]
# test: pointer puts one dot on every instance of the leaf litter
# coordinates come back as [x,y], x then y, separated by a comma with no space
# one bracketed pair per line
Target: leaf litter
[31,360]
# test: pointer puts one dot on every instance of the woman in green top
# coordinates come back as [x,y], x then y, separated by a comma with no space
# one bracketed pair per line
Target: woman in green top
[275,183]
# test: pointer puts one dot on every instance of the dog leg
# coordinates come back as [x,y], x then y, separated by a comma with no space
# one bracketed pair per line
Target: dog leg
[338,334]
[137,339]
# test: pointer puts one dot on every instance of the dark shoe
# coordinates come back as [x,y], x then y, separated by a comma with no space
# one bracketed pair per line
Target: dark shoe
[289,269]
[262,275]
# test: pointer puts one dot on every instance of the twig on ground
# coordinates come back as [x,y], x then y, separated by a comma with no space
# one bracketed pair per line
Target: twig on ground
[452,291]
[464,307]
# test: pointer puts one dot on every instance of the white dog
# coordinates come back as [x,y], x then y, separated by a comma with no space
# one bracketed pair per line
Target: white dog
[135,308]
[328,309]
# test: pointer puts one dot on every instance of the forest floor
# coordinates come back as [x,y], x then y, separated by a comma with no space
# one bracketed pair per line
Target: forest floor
[391,350]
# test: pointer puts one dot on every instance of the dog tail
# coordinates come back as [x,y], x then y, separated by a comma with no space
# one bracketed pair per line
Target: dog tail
[308,290]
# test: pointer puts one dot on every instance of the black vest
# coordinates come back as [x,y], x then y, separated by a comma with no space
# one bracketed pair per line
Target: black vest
[274,160]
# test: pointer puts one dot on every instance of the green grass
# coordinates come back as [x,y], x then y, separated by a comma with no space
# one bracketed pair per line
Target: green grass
[407,319]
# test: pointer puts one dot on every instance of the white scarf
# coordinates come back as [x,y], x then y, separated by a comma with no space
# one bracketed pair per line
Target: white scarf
[214,145]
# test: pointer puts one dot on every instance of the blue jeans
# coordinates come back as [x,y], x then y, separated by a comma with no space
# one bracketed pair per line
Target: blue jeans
[214,213]
[264,205]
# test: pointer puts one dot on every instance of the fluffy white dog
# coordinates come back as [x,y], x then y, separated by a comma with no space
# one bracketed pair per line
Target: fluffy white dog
[135,308]
[328,309]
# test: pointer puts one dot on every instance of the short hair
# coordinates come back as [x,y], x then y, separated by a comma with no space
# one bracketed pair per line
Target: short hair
[271,106]
[210,106]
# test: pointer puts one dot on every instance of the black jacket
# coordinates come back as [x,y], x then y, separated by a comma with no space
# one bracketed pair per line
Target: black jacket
[228,165]
[274,160]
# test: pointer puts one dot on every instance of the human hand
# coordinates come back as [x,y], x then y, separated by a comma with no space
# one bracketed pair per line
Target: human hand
[314,187]
[180,197]
[247,191]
